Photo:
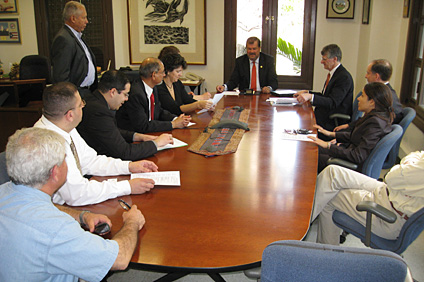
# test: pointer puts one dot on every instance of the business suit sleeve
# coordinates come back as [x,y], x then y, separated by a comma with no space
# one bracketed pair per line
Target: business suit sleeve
[363,140]
[270,76]
[106,136]
[62,56]
[337,89]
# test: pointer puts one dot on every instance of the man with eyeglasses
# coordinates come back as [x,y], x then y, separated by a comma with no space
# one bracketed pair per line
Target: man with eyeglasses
[99,128]
[143,112]
[337,93]
[62,112]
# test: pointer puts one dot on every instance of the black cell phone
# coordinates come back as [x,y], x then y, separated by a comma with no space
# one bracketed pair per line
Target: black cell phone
[101,228]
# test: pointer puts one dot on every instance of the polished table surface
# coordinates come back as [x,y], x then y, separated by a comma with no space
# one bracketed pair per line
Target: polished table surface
[228,208]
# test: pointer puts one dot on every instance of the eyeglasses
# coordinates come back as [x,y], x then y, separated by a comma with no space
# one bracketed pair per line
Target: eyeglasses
[82,105]
[124,205]
[325,59]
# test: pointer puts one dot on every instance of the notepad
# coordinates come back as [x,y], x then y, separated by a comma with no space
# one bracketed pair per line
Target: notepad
[177,143]
[168,178]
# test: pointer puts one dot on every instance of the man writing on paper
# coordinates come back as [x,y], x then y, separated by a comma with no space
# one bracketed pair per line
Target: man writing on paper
[98,126]
[62,112]
[44,242]
[254,70]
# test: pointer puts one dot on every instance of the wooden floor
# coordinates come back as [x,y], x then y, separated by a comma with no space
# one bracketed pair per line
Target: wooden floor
[12,119]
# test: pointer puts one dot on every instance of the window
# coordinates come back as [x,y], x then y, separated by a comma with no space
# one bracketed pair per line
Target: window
[278,24]
[412,91]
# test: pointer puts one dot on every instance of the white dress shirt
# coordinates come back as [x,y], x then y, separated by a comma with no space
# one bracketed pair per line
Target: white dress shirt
[149,92]
[79,191]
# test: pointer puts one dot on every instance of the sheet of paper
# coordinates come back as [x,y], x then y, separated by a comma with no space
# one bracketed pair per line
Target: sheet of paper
[190,123]
[284,91]
[177,143]
[215,101]
[169,178]
[297,137]
[234,93]
[282,101]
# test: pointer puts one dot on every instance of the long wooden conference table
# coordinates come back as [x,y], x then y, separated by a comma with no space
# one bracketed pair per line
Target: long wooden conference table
[228,208]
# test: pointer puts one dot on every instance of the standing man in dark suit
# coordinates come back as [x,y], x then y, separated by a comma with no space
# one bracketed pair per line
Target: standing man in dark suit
[261,65]
[98,126]
[337,94]
[143,112]
[72,59]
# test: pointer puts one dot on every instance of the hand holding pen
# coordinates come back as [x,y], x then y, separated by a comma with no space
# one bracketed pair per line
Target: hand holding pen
[132,214]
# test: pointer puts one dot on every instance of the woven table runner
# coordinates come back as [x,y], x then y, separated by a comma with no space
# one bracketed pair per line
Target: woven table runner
[220,141]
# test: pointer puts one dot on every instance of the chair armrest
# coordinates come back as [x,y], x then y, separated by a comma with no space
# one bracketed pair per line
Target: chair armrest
[377,210]
[337,115]
[340,162]
[253,273]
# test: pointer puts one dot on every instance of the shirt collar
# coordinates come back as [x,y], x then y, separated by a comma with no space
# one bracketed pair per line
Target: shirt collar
[334,69]
[148,89]
[57,129]
[76,33]
[32,191]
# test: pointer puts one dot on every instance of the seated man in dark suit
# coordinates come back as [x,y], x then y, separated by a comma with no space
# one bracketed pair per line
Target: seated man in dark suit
[381,71]
[98,126]
[264,80]
[337,94]
[143,112]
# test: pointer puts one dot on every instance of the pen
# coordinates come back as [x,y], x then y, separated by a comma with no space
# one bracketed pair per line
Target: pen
[124,205]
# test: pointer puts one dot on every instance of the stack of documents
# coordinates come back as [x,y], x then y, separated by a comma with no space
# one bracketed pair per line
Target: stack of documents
[215,101]
[170,178]
[282,101]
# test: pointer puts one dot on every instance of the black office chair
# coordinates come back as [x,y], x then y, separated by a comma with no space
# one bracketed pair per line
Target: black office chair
[343,118]
[307,261]
[33,67]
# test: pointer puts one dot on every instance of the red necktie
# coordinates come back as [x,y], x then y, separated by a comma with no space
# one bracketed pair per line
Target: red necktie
[326,82]
[253,77]
[152,107]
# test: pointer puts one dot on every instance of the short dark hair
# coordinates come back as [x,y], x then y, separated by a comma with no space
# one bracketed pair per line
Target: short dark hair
[58,98]
[332,50]
[252,40]
[113,79]
[168,50]
[383,68]
[382,96]
[173,61]
[149,66]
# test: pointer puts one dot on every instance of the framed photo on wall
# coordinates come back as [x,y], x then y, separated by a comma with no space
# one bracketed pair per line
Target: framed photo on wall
[8,7]
[9,31]
[340,9]
[162,23]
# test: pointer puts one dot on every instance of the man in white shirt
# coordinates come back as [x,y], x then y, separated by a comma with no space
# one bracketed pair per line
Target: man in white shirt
[339,188]
[62,112]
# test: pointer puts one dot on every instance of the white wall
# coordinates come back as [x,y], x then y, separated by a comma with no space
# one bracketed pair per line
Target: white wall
[384,37]
[13,52]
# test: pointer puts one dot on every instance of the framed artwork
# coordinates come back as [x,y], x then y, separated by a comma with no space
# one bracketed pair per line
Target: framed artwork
[153,25]
[8,7]
[9,31]
[366,12]
[406,4]
[340,9]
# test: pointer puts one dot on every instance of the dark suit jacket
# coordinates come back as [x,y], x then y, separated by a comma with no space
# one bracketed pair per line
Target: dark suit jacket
[397,106]
[98,128]
[241,73]
[337,98]
[134,114]
[358,140]
[181,97]
[69,60]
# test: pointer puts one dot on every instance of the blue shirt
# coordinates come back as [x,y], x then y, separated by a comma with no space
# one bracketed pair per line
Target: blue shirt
[38,242]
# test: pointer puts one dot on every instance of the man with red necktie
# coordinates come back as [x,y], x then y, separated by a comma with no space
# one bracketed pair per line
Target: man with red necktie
[254,70]
[337,93]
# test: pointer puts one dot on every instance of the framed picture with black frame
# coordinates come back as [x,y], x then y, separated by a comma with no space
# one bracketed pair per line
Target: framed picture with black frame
[340,9]
[9,31]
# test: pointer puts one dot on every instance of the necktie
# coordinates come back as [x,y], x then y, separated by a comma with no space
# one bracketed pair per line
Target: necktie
[253,77]
[75,153]
[152,106]
[326,82]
